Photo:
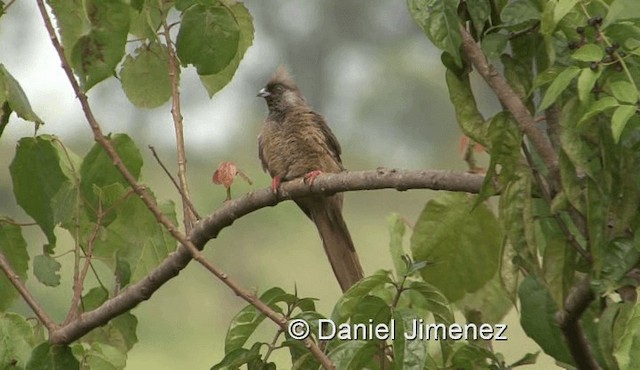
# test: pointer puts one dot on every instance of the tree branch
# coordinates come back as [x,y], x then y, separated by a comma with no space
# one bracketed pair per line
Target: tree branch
[78,327]
[174,71]
[230,211]
[569,320]
[26,295]
[511,101]
[185,198]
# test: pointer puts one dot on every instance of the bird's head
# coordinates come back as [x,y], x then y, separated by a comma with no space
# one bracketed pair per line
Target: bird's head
[281,91]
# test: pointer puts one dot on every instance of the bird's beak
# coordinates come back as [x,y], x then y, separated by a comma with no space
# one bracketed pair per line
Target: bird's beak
[263,93]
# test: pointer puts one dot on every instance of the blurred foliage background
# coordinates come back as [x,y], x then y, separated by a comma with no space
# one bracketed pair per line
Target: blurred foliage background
[365,65]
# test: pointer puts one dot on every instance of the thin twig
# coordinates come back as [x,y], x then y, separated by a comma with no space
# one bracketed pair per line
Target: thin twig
[58,337]
[21,224]
[26,295]
[78,283]
[174,70]
[175,183]
[6,7]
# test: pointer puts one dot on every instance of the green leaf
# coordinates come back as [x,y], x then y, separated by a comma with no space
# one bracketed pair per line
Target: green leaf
[96,54]
[134,236]
[436,303]
[620,256]
[103,356]
[606,334]
[39,172]
[215,82]
[470,356]
[16,336]
[353,354]
[589,53]
[599,106]
[480,11]
[527,359]
[439,21]
[14,248]
[408,354]
[547,22]
[97,169]
[396,234]
[208,38]
[519,11]
[238,357]
[624,91]
[516,217]
[518,74]
[53,357]
[504,146]
[491,301]
[558,86]
[72,21]
[248,319]
[627,346]
[545,77]
[147,20]
[537,318]
[371,310]
[619,120]
[562,9]
[493,45]
[94,298]
[145,76]
[468,115]
[122,331]
[621,10]
[346,305]
[46,270]
[12,93]
[559,258]
[449,233]
[586,81]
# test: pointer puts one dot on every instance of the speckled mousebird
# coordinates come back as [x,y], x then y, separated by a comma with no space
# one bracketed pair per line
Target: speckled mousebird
[296,142]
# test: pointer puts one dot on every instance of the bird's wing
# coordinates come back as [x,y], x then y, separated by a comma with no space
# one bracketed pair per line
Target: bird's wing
[332,143]
[261,153]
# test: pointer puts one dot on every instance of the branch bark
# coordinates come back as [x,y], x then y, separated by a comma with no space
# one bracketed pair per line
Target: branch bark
[174,72]
[26,295]
[230,211]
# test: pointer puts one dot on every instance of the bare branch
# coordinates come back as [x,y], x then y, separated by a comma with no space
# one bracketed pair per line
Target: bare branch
[330,183]
[175,183]
[26,295]
[230,211]
[174,71]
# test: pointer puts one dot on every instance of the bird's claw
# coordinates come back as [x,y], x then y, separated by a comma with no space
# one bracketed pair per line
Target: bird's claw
[310,177]
[275,184]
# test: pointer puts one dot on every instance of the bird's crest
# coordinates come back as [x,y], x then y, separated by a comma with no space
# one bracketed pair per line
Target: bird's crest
[282,76]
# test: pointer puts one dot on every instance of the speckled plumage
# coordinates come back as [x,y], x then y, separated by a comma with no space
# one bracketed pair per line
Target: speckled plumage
[295,141]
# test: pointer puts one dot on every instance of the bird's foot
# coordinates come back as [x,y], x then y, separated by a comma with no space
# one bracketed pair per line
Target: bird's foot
[310,177]
[275,184]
